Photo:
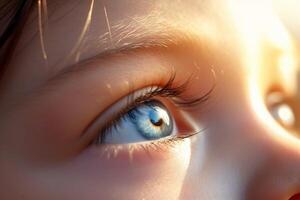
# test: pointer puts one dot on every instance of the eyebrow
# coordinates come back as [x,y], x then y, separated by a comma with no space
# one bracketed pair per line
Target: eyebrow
[164,40]
[141,33]
[148,31]
[127,38]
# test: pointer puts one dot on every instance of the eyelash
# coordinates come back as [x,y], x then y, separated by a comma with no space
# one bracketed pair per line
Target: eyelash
[168,90]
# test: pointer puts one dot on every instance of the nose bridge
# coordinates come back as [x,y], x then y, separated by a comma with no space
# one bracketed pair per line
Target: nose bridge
[248,155]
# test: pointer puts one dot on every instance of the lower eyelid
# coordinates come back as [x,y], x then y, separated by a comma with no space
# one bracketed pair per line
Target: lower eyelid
[143,151]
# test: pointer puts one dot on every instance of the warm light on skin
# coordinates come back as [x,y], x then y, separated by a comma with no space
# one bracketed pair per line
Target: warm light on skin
[288,69]
[239,48]
[179,154]
[183,152]
[256,30]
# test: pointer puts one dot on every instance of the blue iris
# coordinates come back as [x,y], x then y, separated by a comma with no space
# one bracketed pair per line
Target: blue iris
[151,120]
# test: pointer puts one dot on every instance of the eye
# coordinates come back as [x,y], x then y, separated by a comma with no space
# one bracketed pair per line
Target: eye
[284,110]
[284,114]
[152,113]
[150,120]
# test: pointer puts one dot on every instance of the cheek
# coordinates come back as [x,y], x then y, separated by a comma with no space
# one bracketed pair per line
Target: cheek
[139,174]
[133,174]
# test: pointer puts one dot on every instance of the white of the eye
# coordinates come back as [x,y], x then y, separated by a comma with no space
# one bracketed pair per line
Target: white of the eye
[163,114]
[285,114]
[127,133]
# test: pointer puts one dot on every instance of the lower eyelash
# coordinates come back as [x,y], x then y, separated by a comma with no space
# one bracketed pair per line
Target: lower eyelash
[169,144]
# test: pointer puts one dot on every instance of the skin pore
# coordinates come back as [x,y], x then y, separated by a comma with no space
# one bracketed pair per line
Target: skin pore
[74,66]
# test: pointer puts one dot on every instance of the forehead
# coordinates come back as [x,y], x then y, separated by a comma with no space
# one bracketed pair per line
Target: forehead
[103,24]
[62,33]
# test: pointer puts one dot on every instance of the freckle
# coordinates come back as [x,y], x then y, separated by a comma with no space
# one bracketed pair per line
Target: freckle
[108,86]
[126,83]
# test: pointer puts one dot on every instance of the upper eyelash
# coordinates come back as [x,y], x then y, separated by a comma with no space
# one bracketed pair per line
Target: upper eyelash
[167,90]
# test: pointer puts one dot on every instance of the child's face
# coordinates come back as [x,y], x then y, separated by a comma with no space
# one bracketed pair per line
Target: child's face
[237,57]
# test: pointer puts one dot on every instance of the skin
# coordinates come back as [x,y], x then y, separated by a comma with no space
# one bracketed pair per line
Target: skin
[53,104]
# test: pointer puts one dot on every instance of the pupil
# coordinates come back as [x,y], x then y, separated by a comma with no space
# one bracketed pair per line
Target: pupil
[155,118]
[156,122]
